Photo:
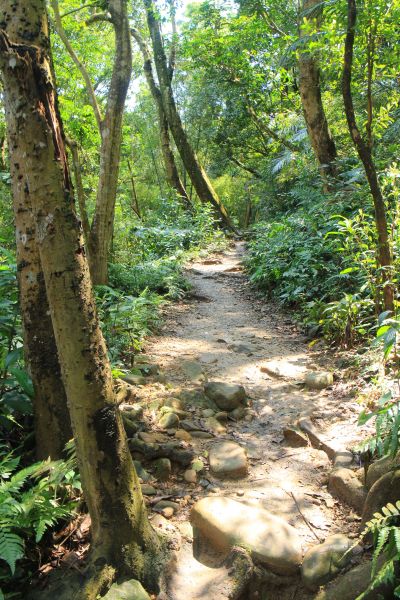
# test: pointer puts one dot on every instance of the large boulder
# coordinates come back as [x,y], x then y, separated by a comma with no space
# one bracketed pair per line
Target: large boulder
[345,484]
[227,396]
[129,590]
[385,490]
[380,467]
[228,460]
[321,563]
[269,539]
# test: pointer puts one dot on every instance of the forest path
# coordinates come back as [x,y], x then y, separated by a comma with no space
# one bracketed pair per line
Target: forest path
[225,331]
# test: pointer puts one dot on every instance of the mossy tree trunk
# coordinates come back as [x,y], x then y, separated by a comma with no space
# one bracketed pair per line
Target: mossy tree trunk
[122,538]
[51,417]
[320,136]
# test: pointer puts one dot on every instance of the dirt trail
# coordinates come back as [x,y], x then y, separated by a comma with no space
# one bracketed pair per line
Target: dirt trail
[231,335]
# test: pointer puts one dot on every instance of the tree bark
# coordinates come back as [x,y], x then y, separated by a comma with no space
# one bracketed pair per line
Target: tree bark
[76,166]
[201,183]
[51,418]
[314,114]
[122,538]
[171,170]
[364,152]
[110,129]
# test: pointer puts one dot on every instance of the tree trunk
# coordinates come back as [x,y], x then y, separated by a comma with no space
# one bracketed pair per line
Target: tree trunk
[122,539]
[310,92]
[111,133]
[171,170]
[76,166]
[364,152]
[110,129]
[51,417]
[201,183]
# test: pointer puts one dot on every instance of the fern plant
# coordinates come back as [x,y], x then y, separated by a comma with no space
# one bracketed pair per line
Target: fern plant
[32,499]
[385,529]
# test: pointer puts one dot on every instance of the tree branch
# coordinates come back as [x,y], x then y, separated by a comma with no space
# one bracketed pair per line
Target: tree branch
[81,67]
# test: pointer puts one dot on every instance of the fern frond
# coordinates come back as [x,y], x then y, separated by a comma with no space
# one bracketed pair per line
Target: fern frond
[11,548]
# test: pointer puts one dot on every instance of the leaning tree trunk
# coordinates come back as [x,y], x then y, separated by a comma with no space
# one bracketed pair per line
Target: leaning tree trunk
[171,170]
[122,539]
[365,153]
[51,418]
[314,114]
[199,179]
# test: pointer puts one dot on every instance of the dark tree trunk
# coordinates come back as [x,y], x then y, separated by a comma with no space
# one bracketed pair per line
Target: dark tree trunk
[201,183]
[364,152]
[171,170]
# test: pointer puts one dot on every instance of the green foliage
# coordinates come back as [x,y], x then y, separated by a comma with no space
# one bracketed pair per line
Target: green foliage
[385,529]
[32,500]
[126,320]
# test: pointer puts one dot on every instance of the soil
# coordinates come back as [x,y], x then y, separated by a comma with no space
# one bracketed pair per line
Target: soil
[210,328]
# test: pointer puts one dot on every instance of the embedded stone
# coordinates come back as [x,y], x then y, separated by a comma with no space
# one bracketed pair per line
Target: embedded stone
[269,539]
[228,460]
[226,396]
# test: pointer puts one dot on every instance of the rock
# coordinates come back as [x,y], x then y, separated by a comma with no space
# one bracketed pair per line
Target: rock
[183,435]
[238,413]
[315,438]
[222,416]
[203,435]
[134,379]
[208,412]
[385,490]
[380,467]
[174,403]
[166,504]
[162,468]
[295,437]
[283,369]
[226,396]
[318,380]
[169,420]
[133,411]
[215,426]
[345,484]
[167,512]
[227,523]
[148,437]
[243,348]
[129,590]
[228,460]
[148,369]
[148,490]
[141,472]
[189,425]
[343,459]
[321,563]
[192,370]
[352,584]
[190,476]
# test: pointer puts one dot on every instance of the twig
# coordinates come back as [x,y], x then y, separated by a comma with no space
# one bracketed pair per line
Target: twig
[306,521]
